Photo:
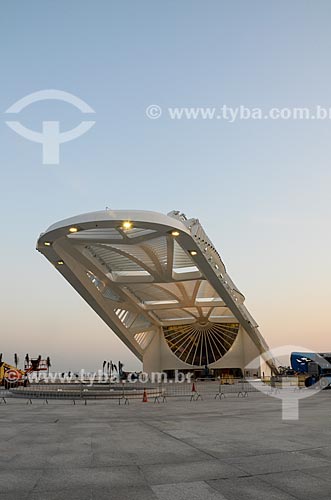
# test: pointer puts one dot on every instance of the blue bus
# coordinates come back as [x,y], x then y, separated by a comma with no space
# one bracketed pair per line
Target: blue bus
[317,367]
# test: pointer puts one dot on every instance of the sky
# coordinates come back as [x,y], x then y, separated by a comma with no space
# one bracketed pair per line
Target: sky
[260,188]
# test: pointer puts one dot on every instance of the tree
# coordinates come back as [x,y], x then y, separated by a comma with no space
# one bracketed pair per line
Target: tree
[16,359]
[48,363]
[27,361]
[120,369]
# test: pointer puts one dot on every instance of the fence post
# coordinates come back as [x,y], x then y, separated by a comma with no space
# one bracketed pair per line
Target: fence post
[220,394]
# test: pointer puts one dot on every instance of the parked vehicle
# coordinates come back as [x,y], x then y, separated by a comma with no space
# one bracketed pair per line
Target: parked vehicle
[316,367]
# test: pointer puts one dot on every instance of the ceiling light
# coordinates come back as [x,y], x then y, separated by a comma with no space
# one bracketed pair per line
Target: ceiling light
[127,225]
[47,243]
[174,233]
[73,230]
[60,262]
[193,252]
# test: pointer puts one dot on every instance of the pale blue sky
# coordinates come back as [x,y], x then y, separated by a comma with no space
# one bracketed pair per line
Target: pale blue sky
[261,189]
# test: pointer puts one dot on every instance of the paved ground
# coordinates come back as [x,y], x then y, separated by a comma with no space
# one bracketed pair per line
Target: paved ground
[236,448]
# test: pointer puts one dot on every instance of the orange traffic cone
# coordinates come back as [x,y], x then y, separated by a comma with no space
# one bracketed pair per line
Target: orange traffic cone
[145,398]
[193,387]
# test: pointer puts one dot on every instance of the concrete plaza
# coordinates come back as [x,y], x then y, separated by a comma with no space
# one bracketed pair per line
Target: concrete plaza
[234,448]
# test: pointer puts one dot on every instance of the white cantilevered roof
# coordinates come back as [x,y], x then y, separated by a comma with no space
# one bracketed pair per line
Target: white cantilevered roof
[143,270]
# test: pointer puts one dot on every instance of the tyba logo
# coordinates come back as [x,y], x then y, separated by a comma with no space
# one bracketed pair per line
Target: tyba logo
[50,137]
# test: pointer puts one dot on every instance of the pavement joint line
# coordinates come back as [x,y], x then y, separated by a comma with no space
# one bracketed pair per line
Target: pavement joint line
[278,452]
[208,481]
[258,474]
[213,457]
[35,484]
[181,441]
[280,488]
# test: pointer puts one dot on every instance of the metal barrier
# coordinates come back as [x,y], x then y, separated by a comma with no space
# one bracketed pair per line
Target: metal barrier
[121,392]
[80,392]
[125,392]
[3,396]
[238,387]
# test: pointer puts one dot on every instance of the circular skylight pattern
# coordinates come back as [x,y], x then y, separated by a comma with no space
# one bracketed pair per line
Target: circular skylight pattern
[201,343]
